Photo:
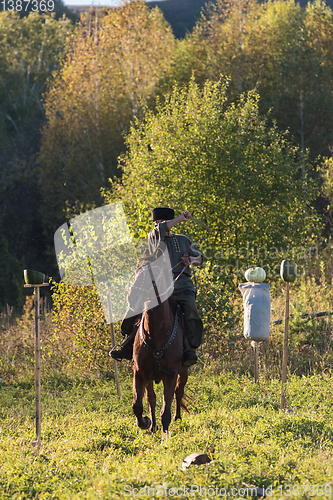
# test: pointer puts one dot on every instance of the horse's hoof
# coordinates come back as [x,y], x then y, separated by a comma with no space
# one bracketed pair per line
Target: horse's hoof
[165,435]
[146,423]
[153,428]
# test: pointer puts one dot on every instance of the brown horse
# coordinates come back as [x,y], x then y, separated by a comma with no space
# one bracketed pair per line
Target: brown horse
[158,345]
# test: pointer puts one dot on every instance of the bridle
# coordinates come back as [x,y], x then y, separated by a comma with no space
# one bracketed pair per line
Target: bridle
[158,354]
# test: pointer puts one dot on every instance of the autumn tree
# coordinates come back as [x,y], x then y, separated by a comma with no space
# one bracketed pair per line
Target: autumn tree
[277,48]
[113,62]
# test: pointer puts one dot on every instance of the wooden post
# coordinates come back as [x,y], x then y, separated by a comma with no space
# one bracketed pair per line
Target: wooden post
[113,339]
[256,363]
[285,351]
[38,413]
[255,346]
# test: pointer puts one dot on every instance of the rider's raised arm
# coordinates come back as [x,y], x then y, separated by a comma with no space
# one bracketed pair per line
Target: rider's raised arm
[162,229]
[183,217]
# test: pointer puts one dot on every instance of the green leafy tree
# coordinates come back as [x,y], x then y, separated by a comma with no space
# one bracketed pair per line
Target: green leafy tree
[114,60]
[327,193]
[225,163]
[30,50]
[80,328]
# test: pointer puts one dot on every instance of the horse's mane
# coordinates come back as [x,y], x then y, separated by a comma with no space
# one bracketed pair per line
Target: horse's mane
[173,305]
[147,257]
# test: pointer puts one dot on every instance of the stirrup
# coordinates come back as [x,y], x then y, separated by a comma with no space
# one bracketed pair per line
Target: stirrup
[125,351]
[115,351]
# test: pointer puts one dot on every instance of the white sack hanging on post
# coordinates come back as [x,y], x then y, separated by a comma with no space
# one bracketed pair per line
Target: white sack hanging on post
[257,310]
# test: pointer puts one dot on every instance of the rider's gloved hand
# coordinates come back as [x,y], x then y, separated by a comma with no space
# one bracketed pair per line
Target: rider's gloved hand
[186,260]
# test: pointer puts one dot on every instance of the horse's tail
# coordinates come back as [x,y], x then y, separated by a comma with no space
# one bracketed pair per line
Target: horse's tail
[182,403]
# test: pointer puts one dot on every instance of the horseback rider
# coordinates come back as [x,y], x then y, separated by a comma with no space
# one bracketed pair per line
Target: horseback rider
[182,253]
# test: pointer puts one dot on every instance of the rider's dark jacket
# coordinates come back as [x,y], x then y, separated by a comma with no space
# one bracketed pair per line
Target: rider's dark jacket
[177,246]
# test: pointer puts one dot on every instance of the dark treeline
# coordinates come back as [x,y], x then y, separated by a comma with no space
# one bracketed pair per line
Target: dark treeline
[182,15]
[69,92]
[30,50]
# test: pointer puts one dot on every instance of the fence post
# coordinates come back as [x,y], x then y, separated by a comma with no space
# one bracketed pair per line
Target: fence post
[285,350]
[38,413]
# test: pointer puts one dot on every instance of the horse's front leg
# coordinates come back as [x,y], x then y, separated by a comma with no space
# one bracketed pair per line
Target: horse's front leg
[179,392]
[169,389]
[151,401]
[138,390]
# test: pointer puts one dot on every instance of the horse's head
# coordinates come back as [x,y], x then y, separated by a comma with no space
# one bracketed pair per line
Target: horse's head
[156,268]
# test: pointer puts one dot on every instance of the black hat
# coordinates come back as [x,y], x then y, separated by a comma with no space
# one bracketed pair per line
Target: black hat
[163,214]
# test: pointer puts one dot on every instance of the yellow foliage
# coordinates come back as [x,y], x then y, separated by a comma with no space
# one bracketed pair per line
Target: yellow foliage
[113,61]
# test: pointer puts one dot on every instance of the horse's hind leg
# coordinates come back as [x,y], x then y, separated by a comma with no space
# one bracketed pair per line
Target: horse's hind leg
[179,392]
[138,390]
[151,401]
[169,389]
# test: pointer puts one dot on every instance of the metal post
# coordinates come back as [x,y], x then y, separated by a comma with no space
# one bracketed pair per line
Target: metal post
[113,339]
[37,441]
[285,351]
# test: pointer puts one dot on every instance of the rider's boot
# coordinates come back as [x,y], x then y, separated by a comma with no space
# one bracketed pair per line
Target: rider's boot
[189,355]
[125,351]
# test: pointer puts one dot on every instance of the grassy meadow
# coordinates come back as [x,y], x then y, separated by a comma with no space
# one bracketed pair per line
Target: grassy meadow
[206,143]
[92,448]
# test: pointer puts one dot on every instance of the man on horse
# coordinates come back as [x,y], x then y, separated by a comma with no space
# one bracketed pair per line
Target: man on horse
[182,254]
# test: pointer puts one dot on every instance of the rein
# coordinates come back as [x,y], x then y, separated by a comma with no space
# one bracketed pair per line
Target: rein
[153,281]
[154,284]
[158,354]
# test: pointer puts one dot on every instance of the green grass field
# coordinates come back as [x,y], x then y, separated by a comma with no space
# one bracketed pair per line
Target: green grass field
[92,449]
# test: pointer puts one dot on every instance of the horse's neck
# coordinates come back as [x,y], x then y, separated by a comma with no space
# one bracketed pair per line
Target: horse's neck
[158,323]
